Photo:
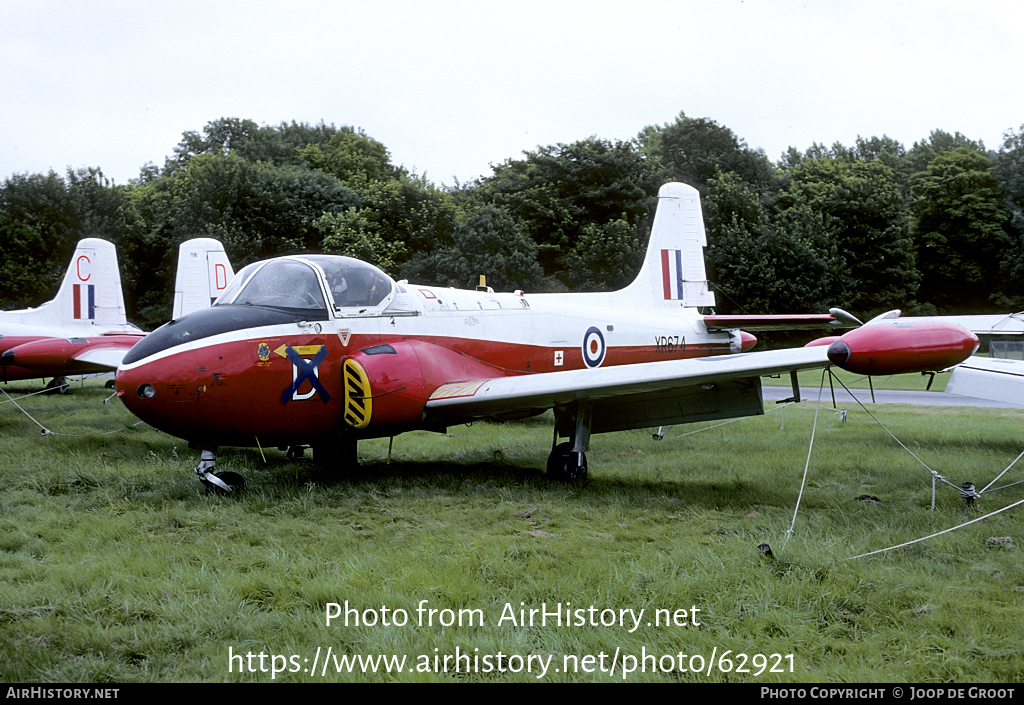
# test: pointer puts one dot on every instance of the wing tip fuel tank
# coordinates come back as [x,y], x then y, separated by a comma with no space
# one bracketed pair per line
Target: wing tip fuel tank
[895,347]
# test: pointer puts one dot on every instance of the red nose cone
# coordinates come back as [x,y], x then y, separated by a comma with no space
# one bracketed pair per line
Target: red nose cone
[747,341]
[894,347]
[839,353]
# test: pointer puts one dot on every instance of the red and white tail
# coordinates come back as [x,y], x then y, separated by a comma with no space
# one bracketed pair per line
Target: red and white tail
[203,273]
[673,273]
[90,297]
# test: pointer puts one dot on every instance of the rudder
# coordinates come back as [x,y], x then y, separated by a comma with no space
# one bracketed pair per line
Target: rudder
[204,271]
[90,294]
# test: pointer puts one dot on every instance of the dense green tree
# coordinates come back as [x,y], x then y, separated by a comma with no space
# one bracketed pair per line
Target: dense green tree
[400,215]
[793,158]
[42,218]
[959,229]
[277,145]
[561,193]
[939,142]
[355,233]
[605,256]
[408,211]
[767,262]
[353,158]
[1009,171]
[35,223]
[696,150]
[830,224]
[892,154]
[256,209]
[874,236]
[884,149]
[486,241]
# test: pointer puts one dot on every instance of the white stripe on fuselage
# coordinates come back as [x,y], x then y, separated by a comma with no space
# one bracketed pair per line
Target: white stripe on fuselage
[554,321]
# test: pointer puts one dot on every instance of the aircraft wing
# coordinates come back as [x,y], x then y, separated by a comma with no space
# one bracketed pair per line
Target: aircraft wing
[985,324]
[996,379]
[630,396]
[103,357]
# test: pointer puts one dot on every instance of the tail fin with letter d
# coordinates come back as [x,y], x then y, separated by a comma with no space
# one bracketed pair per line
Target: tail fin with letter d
[203,273]
[673,273]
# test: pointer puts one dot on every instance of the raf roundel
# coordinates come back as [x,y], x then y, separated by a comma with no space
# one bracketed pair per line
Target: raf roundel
[593,347]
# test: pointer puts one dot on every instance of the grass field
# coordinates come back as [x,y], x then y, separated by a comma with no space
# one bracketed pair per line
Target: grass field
[811,380]
[116,567]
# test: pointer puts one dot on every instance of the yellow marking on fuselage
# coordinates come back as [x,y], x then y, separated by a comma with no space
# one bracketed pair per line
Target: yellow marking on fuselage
[358,402]
[457,389]
[300,349]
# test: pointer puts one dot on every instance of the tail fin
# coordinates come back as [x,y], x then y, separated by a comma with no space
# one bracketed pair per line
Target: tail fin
[90,296]
[203,273]
[673,273]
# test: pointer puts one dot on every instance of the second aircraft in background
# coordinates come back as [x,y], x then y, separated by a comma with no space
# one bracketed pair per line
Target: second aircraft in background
[83,330]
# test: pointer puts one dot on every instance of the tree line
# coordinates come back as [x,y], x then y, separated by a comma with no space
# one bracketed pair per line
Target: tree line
[936,228]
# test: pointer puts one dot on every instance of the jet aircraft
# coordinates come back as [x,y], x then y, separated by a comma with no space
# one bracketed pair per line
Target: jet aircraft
[325,350]
[84,330]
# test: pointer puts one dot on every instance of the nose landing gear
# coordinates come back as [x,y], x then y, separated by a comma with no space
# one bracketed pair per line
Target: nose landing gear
[221,482]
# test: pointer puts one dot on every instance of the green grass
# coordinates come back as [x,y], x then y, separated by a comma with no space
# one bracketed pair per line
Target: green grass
[811,381]
[116,567]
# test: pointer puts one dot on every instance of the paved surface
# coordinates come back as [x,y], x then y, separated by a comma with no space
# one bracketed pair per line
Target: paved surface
[885,396]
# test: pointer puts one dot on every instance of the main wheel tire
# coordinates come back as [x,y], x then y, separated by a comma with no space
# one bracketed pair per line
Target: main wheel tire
[339,455]
[566,466]
[57,385]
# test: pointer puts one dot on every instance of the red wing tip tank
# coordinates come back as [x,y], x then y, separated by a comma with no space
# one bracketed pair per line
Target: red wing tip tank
[898,346]
[64,356]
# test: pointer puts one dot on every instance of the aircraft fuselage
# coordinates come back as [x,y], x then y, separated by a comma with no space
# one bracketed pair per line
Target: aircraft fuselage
[242,375]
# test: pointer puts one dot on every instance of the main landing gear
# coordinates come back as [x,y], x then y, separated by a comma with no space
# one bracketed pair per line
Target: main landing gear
[57,385]
[566,464]
[220,482]
[568,461]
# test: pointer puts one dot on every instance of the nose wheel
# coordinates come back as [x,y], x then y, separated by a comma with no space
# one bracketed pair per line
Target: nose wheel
[224,483]
[217,482]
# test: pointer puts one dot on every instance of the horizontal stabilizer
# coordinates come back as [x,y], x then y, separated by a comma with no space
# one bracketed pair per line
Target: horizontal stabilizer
[769,322]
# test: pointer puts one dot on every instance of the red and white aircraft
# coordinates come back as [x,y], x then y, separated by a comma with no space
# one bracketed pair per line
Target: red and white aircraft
[84,329]
[325,350]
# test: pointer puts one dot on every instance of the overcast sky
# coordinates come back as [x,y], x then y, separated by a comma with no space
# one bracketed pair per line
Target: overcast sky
[451,87]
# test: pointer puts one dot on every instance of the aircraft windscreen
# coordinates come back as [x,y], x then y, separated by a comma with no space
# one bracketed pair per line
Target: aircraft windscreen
[352,282]
[236,283]
[282,283]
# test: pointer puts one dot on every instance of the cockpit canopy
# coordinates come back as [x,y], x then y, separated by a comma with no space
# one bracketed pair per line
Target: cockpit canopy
[352,282]
[309,282]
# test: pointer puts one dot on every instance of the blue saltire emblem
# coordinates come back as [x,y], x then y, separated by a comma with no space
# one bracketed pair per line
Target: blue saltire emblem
[306,369]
